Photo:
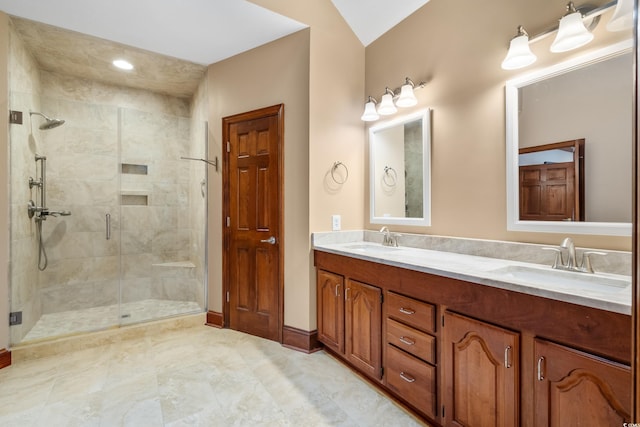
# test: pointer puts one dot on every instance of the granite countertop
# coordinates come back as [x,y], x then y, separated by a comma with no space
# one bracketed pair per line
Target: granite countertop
[604,291]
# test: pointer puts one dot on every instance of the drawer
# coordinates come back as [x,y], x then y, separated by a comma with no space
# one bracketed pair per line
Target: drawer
[412,379]
[412,312]
[411,340]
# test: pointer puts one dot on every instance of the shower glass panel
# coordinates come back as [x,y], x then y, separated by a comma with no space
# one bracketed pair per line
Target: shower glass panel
[133,247]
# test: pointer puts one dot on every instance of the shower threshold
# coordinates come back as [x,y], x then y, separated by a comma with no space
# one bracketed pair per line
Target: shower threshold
[55,325]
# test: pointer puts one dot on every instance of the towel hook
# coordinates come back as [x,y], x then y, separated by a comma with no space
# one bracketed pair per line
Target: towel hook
[334,168]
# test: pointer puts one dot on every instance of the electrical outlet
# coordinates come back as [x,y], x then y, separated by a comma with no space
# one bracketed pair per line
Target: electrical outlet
[335,222]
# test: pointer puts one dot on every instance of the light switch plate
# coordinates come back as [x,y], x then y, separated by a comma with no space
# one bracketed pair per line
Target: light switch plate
[335,222]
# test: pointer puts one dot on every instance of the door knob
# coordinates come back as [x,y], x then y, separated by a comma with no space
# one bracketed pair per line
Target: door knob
[271,240]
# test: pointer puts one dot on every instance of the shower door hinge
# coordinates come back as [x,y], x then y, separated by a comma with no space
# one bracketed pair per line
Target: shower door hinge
[228,147]
[15,318]
[15,117]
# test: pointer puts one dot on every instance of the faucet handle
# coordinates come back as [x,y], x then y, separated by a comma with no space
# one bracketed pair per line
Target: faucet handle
[394,239]
[558,262]
[586,260]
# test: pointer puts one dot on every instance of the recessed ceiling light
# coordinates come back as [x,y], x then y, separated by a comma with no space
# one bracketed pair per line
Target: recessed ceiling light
[123,65]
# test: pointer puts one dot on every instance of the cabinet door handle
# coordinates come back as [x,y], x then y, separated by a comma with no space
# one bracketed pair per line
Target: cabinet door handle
[407,311]
[108,226]
[507,358]
[346,293]
[540,369]
[407,341]
[407,378]
[337,290]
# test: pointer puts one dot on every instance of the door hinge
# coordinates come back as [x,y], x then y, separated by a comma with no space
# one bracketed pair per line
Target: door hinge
[228,147]
[381,298]
[15,117]
[443,320]
[442,411]
[381,372]
[227,296]
[228,221]
[15,318]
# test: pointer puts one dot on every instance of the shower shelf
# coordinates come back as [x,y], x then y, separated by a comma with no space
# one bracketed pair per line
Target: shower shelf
[178,264]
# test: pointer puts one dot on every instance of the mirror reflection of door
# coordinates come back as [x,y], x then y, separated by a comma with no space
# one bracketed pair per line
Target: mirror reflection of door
[552,182]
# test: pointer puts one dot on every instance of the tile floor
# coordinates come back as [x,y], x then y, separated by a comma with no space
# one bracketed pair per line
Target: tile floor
[197,376]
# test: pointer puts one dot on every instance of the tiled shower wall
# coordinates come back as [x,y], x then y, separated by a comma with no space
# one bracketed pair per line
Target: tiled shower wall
[24,81]
[162,216]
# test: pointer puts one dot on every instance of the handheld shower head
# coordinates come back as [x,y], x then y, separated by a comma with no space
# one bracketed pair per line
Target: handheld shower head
[49,122]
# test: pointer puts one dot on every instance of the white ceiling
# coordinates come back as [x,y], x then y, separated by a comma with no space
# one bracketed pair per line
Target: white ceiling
[200,31]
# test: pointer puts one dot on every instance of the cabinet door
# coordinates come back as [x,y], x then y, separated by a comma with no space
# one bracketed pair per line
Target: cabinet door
[481,374]
[331,310]
[578,389]
[363,313]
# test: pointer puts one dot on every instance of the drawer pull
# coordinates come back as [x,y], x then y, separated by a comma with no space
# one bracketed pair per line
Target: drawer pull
[407,378]
[407,311]
[407,341]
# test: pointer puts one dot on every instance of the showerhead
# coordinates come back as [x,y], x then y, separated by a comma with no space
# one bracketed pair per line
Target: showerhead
[49,122]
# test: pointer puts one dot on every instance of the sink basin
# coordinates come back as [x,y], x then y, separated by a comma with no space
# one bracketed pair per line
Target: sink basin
[564,280]
[371,248]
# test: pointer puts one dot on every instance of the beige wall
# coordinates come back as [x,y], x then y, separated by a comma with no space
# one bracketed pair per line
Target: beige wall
[458,46]
[274,73]
[4,183]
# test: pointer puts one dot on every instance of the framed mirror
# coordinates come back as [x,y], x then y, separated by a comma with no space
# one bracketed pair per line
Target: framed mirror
[584,105]
[400,170]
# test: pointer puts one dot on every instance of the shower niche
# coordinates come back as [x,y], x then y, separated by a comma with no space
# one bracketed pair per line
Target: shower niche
[125,228]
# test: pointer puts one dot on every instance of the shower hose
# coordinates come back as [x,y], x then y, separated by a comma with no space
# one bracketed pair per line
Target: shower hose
[42,253]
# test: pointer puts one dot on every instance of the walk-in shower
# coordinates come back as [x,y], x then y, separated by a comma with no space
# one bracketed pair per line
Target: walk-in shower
[134,248]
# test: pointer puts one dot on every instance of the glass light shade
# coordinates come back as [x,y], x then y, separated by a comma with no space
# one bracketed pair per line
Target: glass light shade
[622,18]
[370,114]
[571,34]
[386,106]
[519,54]
[407,97]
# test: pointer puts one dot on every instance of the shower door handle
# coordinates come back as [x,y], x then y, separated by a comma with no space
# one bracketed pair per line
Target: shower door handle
[108,225]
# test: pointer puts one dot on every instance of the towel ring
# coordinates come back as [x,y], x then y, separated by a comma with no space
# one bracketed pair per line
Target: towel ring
[333,169]
[390,176]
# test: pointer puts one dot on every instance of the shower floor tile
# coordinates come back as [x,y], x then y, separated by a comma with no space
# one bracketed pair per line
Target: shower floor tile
[96,318]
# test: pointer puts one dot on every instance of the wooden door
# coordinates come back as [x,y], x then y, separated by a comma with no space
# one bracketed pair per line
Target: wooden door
[253,221]
[481,374]
[331,310]
[577,389]
[547,193]
[363,320]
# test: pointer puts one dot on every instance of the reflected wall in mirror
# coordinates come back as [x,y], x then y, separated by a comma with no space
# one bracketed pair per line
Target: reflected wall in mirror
[589,99]
[400,170]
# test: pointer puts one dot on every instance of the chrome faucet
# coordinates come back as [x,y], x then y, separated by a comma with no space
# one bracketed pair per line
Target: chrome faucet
[571,263]
[389,239]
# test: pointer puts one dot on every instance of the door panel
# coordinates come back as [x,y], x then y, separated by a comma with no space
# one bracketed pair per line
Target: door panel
[253,201]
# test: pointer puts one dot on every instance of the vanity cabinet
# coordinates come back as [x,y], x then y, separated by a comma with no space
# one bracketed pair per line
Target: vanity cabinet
[350,321]
[576,388]
[482,373]
[461,353]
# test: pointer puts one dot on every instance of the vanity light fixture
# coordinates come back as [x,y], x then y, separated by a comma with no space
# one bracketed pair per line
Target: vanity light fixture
[387,107]
[519,54]
[407,97]
[622,18]
[403,97]
[123,64]
[370,114]
[572,33]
